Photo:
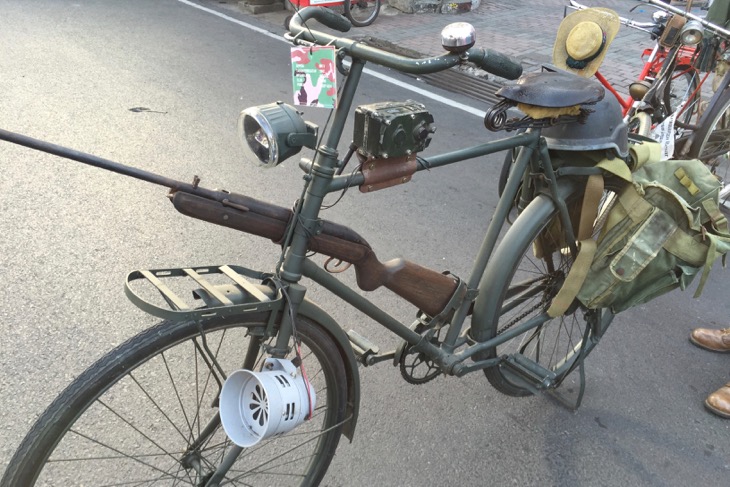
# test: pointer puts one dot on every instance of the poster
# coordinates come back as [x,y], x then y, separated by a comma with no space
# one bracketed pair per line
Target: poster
[314,76]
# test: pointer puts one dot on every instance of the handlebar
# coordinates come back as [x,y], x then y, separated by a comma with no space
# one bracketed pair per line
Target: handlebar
[715,29]
[645,26]
[487,59]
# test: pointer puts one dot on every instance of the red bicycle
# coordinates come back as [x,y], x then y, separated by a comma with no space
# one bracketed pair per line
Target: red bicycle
[669,79]
[361,13]
[683,84]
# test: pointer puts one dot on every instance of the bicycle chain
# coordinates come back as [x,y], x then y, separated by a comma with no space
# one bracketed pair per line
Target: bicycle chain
[519,318]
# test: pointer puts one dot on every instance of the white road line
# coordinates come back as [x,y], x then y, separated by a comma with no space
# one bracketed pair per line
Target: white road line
[381,76]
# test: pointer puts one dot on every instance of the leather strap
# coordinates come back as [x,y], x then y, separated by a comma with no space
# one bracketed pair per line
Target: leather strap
[589,209]
[574,280]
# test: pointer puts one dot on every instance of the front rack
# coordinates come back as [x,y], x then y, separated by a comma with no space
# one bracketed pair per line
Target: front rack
[232,293]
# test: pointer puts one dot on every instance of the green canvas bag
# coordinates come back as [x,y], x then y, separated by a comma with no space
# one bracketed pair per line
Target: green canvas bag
[663,228]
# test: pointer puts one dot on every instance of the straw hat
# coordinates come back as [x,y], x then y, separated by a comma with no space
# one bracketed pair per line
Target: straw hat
[583,40]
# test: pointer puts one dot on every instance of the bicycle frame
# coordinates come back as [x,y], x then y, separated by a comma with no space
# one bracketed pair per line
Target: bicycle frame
[324,181]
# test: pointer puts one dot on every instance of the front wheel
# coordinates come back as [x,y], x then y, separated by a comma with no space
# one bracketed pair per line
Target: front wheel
[362,12]
[527,271]
[147,414]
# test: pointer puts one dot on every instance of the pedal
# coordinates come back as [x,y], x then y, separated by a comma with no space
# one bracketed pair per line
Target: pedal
[362,347]
[529,372]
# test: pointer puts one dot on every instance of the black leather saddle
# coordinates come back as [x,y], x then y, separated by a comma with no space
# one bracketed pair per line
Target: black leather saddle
[553,89]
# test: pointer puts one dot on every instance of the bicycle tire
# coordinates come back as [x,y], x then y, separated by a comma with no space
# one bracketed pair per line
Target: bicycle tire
[711,141]
[362,12]
[112,400]
[510,157]
[681,86]
[559,338]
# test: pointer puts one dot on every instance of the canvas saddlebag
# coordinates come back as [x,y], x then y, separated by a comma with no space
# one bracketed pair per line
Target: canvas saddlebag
[655,235]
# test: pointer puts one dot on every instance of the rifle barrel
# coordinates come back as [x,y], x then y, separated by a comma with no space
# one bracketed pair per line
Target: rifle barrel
[102,163]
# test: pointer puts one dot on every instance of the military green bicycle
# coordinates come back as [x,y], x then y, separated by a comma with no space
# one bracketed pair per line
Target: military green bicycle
[251,383]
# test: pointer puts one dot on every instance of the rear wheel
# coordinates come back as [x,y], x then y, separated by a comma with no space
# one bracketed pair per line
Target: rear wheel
[138,416]
[525,285]
[362,12]
[711,142]
[510,157]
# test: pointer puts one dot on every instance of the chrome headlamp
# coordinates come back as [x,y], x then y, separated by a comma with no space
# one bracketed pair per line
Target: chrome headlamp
[275,132]
[692,33]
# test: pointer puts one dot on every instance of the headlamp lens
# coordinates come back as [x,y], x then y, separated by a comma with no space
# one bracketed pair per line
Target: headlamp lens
[274,132]
[692,33]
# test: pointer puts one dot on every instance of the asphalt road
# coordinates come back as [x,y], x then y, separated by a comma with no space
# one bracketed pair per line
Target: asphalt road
[70,71]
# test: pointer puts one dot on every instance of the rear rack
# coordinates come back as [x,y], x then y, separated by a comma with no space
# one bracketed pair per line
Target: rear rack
[234,294]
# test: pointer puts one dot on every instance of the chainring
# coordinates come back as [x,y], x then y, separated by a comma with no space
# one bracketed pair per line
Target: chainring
[416,367]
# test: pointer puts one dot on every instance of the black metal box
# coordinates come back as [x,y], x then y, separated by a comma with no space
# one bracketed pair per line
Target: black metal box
[392,129]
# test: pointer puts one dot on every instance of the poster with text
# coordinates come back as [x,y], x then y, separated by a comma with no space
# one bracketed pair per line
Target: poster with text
[314,76]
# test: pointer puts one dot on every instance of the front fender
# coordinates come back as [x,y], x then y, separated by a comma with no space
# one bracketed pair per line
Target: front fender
[313,312]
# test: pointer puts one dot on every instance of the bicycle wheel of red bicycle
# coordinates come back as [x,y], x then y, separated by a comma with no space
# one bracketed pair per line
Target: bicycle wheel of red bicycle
[682,88]
[362,12]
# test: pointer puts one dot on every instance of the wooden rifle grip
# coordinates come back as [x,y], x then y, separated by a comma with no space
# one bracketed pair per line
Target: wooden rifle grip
[427,289]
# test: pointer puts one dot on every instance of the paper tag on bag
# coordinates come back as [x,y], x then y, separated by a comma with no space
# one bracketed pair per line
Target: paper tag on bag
[664,134]
[314,76]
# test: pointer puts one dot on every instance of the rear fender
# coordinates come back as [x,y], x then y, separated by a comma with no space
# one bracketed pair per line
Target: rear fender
[537,211]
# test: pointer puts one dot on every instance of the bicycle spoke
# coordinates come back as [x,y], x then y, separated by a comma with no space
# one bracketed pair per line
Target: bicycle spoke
[125,421]
[169,420]
[125,455]
[177,395]
[211,372]
[109,457]
[256,469]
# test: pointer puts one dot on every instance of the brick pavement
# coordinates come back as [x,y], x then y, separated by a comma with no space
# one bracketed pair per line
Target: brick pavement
[524,29]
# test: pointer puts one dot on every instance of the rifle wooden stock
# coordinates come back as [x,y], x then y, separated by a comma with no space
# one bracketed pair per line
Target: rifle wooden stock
[268,221]
[427,289]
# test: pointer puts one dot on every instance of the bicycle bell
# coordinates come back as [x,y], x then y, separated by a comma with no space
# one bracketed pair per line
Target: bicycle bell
[659,17]
[458,37]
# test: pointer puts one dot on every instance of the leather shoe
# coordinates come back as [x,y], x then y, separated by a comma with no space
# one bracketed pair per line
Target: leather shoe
[719,401]
[713,340]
